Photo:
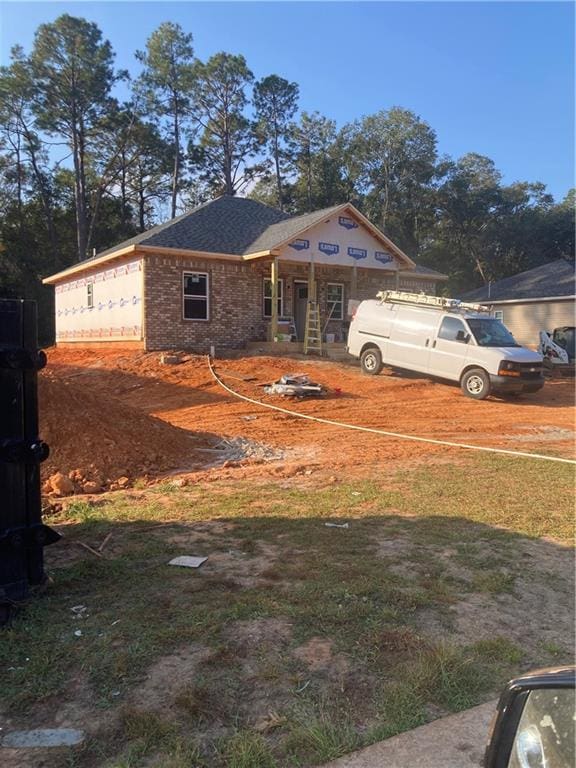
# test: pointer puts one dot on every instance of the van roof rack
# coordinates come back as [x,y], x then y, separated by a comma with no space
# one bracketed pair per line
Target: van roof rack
[434,302]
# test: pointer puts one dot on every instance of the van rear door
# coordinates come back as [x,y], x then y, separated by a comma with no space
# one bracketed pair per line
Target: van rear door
[449,348]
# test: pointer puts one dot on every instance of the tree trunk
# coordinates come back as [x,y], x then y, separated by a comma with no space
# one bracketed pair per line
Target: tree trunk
[176,172]
[78,149]
[278,177]
[141,208]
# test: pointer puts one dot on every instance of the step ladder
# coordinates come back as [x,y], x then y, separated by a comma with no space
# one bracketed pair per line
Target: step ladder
[313,331]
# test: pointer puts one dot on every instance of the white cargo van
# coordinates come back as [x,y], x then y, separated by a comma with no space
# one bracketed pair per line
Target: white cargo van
[444,338]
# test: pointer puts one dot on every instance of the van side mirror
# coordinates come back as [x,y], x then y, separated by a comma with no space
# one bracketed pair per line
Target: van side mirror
[534,726]
[463,336]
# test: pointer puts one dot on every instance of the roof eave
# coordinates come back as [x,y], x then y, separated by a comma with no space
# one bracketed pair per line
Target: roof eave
[137,249]
[531,300]
[88,264]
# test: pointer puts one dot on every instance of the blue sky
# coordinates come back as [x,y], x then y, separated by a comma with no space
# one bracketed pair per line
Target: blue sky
[493,77]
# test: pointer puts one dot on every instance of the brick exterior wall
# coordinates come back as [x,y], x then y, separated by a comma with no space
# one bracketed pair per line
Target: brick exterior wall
[236,300]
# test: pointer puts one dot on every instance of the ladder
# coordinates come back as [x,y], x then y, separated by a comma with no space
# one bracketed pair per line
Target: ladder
[313,332]
[424,300]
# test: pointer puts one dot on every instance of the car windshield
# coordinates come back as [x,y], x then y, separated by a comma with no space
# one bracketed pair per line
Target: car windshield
[490,332]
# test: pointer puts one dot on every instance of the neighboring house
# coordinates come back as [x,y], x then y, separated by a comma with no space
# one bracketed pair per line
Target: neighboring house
[229,272]
[539,299]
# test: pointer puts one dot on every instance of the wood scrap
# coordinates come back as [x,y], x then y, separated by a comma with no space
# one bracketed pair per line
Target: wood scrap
[106,540]
[90,549]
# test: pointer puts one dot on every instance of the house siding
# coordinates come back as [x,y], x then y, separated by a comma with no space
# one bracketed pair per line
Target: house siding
[525,320]
[236,300]
[235,314]
[116,311]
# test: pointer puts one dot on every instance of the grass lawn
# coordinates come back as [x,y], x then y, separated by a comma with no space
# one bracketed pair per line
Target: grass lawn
[295,642]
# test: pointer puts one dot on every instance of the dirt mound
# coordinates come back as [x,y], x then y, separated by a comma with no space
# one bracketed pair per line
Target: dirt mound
[94,437]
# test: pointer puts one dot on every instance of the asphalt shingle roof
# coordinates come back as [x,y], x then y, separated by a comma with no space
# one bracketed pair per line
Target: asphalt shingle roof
[288,228]
[227,225]
[546,281]
[224,225]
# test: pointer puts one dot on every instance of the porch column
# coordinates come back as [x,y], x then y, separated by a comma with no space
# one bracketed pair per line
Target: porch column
[397,280]
[274,316]
[311,282]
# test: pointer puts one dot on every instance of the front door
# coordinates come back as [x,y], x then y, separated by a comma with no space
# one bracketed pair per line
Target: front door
[300,304]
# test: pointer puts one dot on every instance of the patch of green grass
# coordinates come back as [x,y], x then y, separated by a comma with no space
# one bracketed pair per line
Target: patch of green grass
[400,708]
[247,749]
[146,725]
[320,738]
[449,676]
[494,582]
[498,649]
[556,651]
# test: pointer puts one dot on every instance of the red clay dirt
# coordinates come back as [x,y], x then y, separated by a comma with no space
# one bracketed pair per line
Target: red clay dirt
[126,413]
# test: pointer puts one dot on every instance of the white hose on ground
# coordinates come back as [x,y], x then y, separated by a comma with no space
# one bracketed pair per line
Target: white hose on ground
[396,435]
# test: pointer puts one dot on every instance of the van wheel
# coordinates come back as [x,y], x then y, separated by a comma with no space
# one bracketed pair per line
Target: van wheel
[476,383]
[371,361]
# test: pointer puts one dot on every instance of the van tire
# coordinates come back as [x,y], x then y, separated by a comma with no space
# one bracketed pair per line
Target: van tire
[371,361]
[476,384]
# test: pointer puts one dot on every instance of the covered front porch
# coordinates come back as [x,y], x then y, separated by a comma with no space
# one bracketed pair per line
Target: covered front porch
[289,288]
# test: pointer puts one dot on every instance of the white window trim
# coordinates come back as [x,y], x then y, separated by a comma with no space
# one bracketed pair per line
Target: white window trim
[90,295]
[207,297]
[499,314]
[280,298]
[334,317]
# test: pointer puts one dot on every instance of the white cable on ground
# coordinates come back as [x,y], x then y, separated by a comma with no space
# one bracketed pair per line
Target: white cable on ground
[382,431]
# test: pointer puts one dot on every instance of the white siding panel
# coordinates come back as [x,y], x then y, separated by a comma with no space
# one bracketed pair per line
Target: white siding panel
[116,313]
[340,241]
[526,320]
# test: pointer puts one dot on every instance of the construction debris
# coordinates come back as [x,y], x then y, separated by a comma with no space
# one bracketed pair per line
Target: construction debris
[188,561]
[295,385]
[235,449]
[43,737]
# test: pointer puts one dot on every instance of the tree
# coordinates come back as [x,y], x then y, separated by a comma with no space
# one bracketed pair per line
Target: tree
[391,157]
[74,75]
[276,102]
[21,140]
[165,86]
[319,183]
[148,163]
[227,139]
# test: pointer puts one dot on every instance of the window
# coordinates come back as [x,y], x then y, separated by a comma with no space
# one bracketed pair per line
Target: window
[499,314]
[490,332]
[195,287]
[268,298]
[335,301]
[450,327]
[90,295]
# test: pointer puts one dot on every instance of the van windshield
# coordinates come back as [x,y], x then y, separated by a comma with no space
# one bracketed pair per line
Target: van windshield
[490,332]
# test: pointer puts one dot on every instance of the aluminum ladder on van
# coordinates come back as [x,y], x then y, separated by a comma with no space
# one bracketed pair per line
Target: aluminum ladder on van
[425,300]
[313,331]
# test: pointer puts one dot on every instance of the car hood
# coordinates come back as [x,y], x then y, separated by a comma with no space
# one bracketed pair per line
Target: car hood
[520,354]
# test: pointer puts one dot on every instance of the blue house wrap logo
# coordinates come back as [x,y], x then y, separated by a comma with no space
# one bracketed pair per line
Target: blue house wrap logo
[357,253]
[347,223]
[329,248]
[383,257]
[300,245]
